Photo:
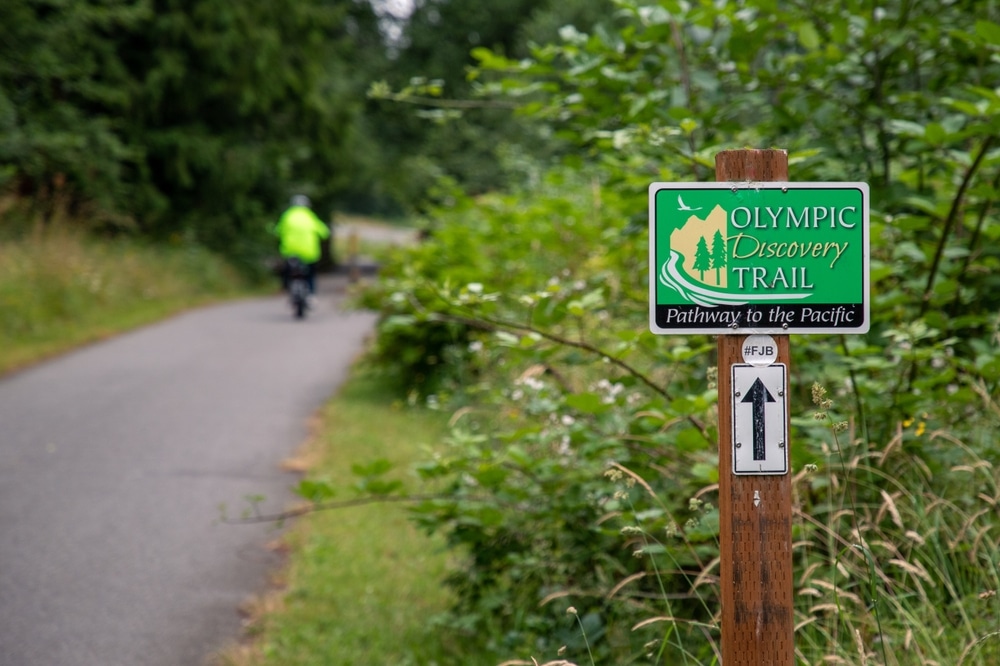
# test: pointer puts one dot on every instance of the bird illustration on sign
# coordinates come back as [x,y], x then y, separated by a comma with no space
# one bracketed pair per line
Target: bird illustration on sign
[683,206]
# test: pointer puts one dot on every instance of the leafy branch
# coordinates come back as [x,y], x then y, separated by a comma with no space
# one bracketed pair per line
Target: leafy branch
[381,90]
[495,323]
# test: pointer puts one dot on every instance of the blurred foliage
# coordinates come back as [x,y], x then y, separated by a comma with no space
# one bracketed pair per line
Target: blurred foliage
[195,120]
[190,120]
[581,468]
[469,144]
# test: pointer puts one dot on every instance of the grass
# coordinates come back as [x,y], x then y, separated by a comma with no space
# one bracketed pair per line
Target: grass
[911,578]
[907,576]
[362,583]
[60,289]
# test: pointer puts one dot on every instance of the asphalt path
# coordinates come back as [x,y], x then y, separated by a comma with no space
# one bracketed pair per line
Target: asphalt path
[116,459]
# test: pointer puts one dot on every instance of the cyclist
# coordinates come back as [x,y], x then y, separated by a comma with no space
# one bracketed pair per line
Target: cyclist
[301,234]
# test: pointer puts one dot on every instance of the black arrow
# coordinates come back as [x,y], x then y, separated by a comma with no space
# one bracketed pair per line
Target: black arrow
[757,396]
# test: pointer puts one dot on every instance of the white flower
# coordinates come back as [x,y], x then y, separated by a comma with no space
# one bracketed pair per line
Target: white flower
[532,383]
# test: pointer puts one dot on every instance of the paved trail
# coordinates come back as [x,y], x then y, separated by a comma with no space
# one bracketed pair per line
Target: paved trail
[114,462]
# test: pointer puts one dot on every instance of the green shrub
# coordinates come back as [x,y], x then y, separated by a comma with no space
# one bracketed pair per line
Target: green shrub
[895,520]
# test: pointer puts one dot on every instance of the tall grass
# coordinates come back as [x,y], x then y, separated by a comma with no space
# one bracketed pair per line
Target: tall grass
[896,562]
[59,288]
[911,575]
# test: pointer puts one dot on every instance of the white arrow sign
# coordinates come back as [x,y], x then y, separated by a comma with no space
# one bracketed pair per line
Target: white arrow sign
[760,424]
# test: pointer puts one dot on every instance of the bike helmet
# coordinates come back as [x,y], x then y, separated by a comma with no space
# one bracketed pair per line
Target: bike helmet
[301,200]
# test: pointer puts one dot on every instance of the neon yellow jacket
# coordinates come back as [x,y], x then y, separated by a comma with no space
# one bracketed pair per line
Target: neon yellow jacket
[300,232]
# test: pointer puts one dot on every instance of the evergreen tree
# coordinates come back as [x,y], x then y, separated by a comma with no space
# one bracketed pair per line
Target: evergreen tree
[702,258]
[187,118]
[63,92]
[719,259]
[239,105]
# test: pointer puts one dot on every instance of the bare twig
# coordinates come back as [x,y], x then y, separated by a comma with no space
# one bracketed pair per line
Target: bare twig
[986,211]
[448,103]
[956,206]
[328,506]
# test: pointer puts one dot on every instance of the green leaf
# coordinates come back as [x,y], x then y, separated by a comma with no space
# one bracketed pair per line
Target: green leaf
[587,403]
[907,128]
[506,339]
[705,472]
[707,527]
[840,32]
[491,475]
[989,31]
[530,340]
[649,514]
[935,133]
[374,468]
[315,490]
[398,322]
[691,439]
[966,107]
[378,486]
[485,516]
[519,456]
[808,36]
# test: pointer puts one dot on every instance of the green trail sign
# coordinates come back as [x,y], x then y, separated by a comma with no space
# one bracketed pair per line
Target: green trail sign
[768,257]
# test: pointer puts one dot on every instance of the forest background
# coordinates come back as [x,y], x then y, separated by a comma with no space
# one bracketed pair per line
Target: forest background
[580,471]
[195,120]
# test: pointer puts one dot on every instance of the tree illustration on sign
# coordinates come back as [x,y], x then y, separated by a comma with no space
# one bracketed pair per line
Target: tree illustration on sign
[691,240]
[719,259]
[702,258]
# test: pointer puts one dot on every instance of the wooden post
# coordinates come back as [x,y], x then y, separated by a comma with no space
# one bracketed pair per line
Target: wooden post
[755,511]
[354,269]
[331,244]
